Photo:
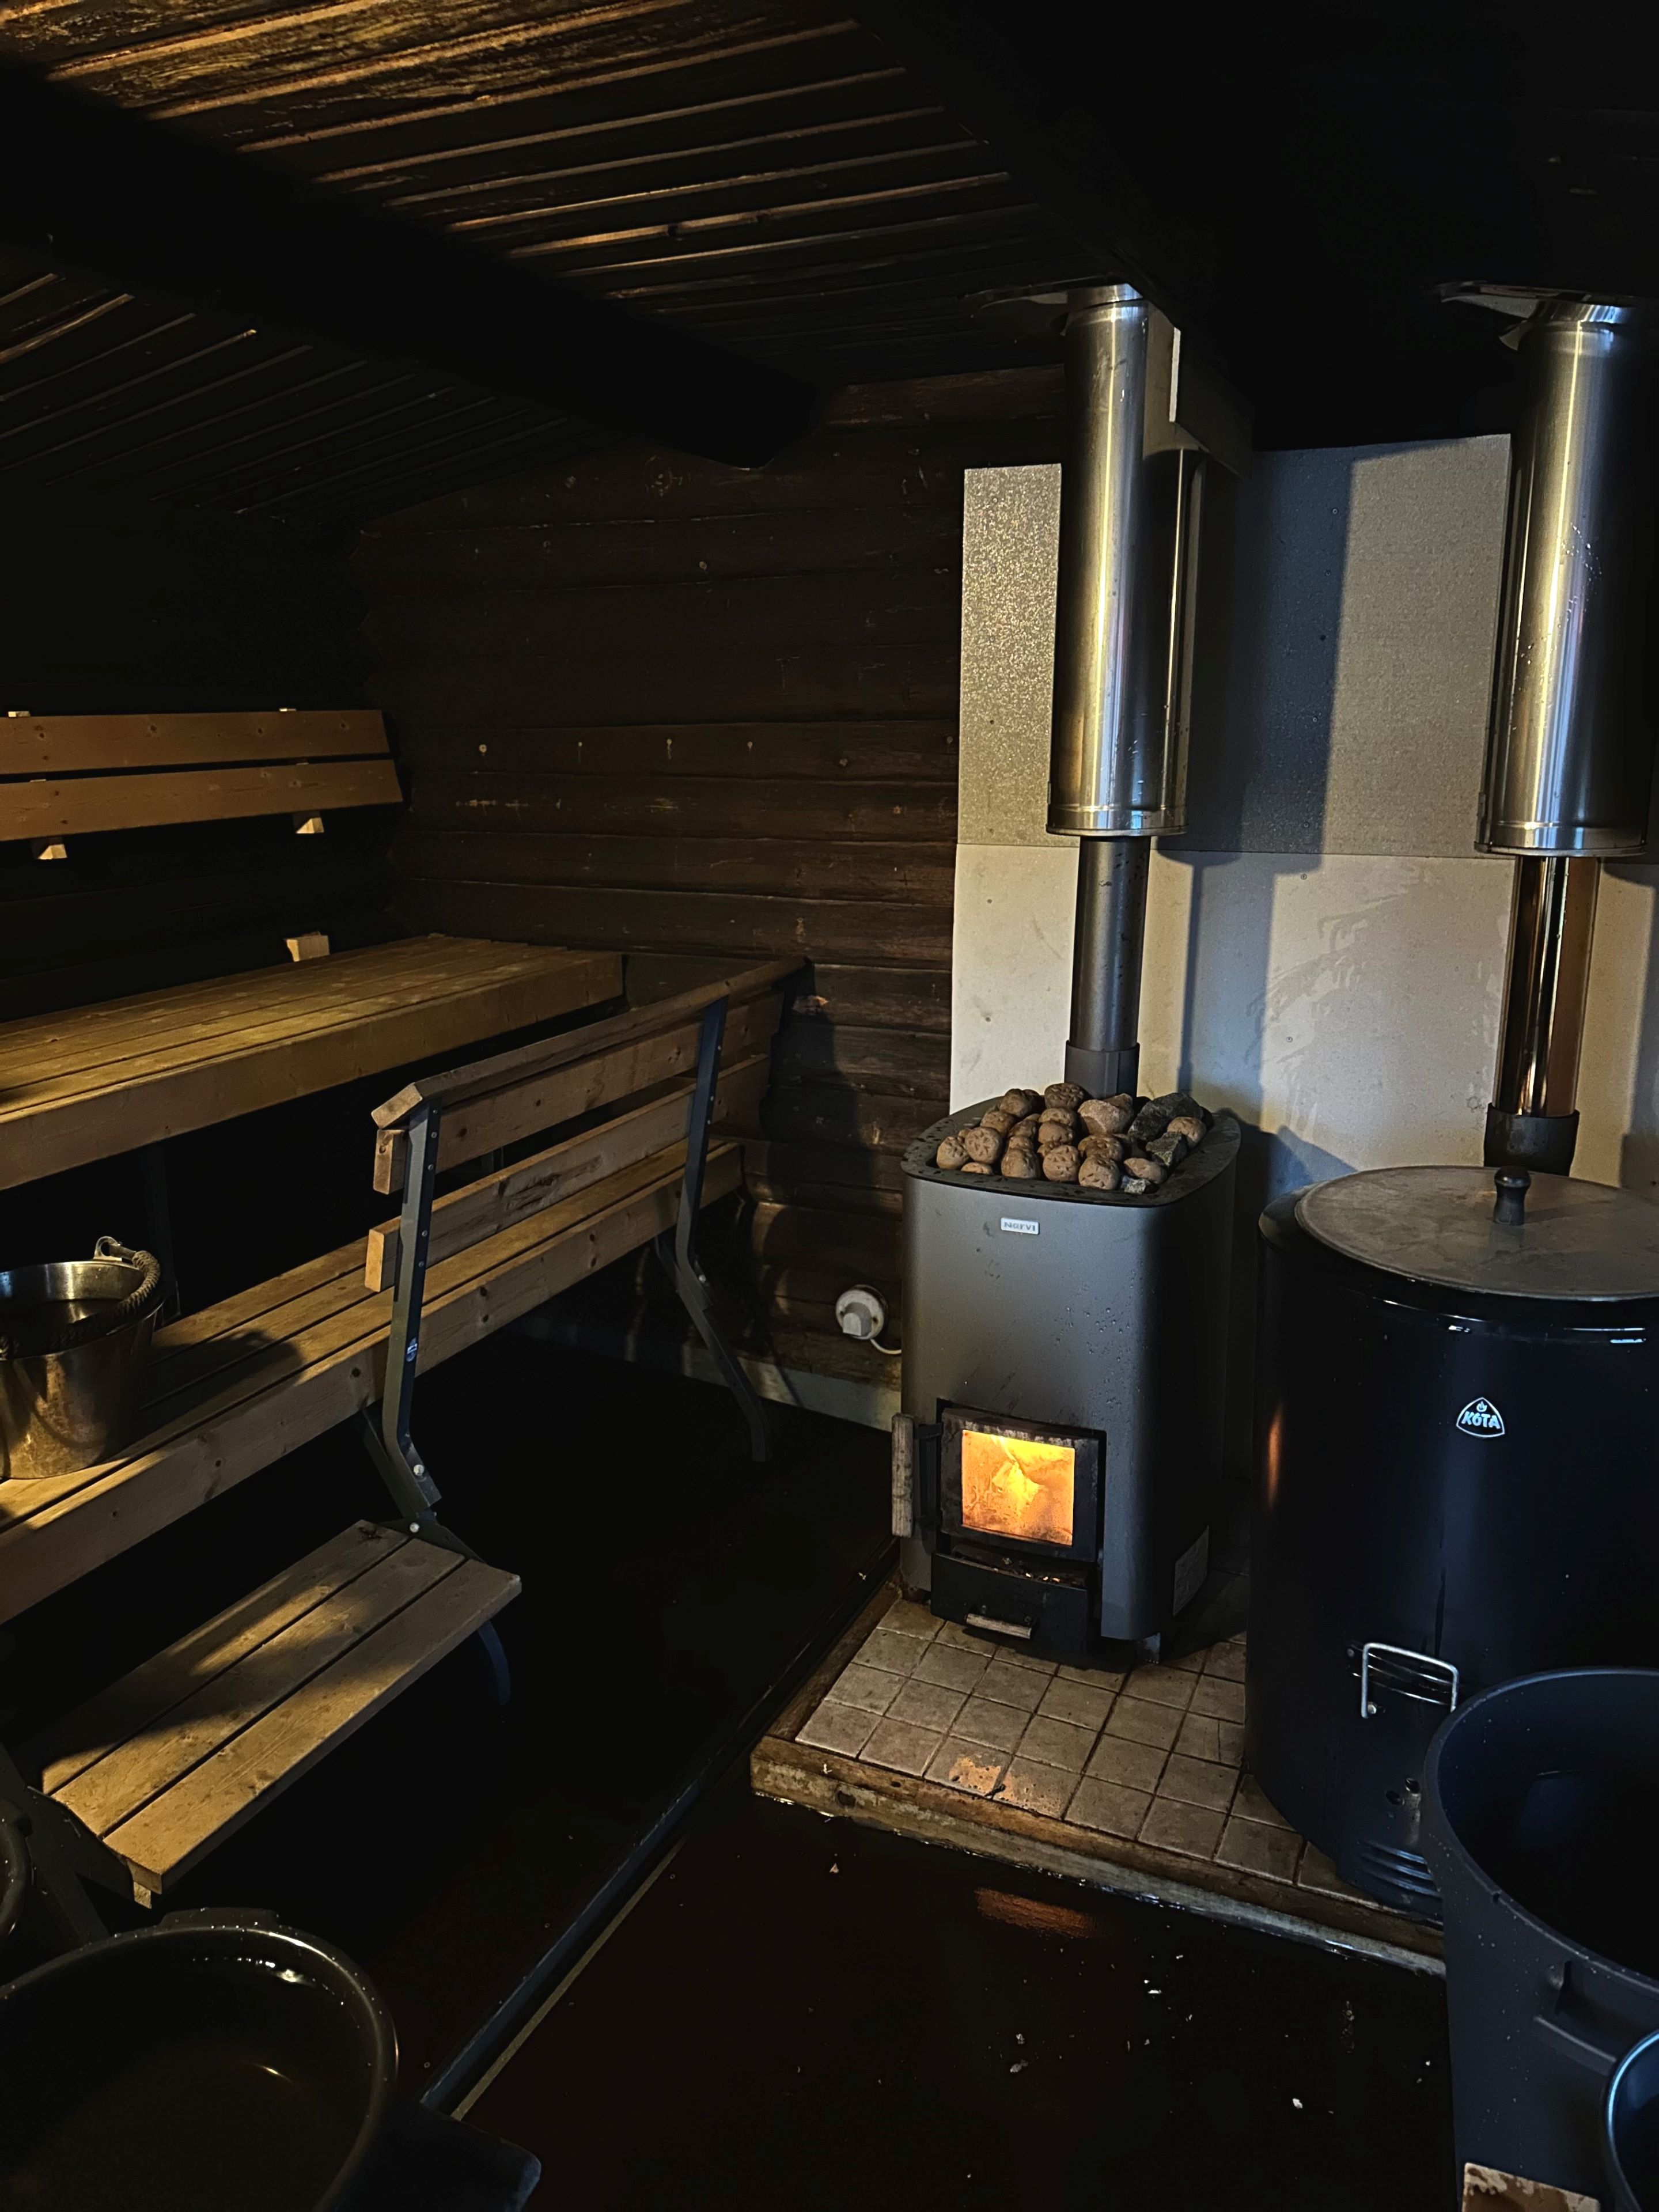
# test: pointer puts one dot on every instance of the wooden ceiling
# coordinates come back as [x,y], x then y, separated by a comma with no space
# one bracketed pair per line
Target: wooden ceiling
[809,193]
[762,173]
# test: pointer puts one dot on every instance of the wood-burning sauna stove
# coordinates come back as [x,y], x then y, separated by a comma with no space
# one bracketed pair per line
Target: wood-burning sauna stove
[1058,1453]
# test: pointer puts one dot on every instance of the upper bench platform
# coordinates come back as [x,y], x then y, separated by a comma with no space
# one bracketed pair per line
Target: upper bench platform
[97,1080]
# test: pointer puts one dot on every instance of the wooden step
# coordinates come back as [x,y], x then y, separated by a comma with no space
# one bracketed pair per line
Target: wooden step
[232,1389]
[167,1762]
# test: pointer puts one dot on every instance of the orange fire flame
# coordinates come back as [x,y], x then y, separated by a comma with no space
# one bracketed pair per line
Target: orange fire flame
[1011,1486]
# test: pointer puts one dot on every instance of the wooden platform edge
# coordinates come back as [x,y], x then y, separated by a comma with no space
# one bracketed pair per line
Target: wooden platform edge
[825,1782]
[67,1132]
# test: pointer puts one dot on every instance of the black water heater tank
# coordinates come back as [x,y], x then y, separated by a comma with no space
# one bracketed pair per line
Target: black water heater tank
[1457,1480]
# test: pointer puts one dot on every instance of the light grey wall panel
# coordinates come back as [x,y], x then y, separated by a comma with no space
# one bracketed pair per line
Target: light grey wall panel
[1010,550]
[1347,639]
[1347,622]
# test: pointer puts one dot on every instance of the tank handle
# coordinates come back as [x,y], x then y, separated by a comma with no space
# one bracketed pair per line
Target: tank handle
[1576,2037]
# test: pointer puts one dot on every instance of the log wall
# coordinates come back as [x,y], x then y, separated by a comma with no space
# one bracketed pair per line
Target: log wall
[686,710]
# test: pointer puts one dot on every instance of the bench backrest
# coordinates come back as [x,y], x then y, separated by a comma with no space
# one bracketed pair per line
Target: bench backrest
[491,1103]
[64,775]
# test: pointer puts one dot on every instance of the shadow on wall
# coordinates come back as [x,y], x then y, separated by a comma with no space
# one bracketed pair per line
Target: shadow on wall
[1271,632]
[1264,698]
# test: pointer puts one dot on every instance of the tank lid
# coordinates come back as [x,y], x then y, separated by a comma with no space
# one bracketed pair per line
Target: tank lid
[1580,1240]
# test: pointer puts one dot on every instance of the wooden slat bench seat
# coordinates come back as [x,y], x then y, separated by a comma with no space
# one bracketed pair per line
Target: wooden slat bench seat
[232,1389]
[97,1080]
[171,1759]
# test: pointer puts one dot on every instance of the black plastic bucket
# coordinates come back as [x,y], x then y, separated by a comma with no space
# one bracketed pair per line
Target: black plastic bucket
[214,2063]
[1540,1813]
[1633,2128]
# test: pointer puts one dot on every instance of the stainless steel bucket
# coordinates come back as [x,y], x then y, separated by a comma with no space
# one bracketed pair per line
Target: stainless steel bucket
[73,1338]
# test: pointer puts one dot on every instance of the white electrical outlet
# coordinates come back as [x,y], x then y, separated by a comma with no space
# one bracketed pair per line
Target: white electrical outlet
[860,1312]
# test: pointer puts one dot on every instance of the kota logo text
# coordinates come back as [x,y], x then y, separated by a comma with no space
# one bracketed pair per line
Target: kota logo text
[1481,1417]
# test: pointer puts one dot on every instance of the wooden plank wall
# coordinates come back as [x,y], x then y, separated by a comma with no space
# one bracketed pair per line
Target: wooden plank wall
[113,610]
[655,703]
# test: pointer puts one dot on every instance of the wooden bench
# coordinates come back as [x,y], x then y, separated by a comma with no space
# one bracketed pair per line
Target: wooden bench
[101,1080]
[170,1760]
[71,775]
[98,1080]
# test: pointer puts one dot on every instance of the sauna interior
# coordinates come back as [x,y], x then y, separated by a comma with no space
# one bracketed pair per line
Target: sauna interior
[828,1106]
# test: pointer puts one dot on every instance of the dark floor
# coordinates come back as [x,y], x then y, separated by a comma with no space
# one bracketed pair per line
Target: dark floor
[806,2013]
[668,1585]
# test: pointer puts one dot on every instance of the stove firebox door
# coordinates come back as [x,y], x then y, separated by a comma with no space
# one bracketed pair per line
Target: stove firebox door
[1017,1485]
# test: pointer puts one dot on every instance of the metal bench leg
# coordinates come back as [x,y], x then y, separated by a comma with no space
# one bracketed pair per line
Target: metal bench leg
[63,1858]
[385,1430]
[501,1674]
[679,1253]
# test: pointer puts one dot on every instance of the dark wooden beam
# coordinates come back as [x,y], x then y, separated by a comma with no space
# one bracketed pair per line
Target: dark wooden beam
[1291,187]
[84,184]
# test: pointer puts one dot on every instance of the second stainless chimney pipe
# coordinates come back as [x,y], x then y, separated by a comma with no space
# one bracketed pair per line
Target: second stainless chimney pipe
[1569,744]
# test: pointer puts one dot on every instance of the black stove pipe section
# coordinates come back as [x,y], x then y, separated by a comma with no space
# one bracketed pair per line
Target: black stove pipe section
[1532,1121]
[1102,1051]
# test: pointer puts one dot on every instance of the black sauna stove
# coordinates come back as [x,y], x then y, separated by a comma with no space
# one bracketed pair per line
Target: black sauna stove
[1057,1459]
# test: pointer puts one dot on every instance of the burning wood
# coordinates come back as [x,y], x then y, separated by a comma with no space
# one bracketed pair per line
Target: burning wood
[1061,1135]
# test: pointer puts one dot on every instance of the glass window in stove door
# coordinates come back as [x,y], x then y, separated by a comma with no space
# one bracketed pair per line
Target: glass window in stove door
[1017,1487]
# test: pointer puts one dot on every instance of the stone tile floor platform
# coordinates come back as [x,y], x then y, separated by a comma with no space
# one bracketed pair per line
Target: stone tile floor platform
[1134,1779]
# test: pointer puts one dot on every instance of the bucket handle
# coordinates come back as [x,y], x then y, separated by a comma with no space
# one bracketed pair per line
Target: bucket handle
[69,1336]
[1577,2039]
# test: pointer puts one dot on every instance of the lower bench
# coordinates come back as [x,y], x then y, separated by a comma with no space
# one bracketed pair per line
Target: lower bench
[232,1389]
[167,1762]
[172,1758]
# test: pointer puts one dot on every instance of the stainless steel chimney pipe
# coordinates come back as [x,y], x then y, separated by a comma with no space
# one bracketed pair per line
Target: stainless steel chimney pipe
[1130,509]
[1569,744]
[1569,747]
[1131,497]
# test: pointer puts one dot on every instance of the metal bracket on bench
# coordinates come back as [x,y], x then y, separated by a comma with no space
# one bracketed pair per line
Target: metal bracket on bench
[386,1431]
[678,1254]
[392,1447]
[63,1856]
